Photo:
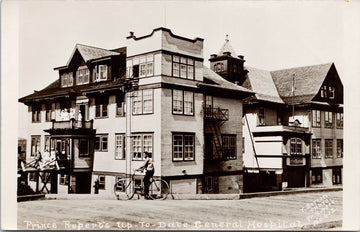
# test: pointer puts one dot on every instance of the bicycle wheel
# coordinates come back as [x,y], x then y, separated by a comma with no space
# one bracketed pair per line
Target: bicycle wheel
[159,189]
[122,187]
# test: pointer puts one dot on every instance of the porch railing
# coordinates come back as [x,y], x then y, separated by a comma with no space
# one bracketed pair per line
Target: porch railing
[72,124]
[218,114]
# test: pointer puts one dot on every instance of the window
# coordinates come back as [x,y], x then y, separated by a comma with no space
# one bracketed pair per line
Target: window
[323,91]
[183,102]
[339,120]
[183,147]
[120,183]
[82,76]
[101,142]
[47,143]
[183,67]
[48,112]
[101,106]
[67,79]
[336,175]
[35,144]
[101,179]
[316,176]
[208,101]
[316,148]
[100,73]
[36,113]
[331,92]
[84,147]
[316,119]
[295,146]
[229,146]
[120,105]
[146,66]
[119,146]
[209,184]
[142,102]
[64,179]
[328,148]
[328,119]
[261,117]
[340,148]
[140,144]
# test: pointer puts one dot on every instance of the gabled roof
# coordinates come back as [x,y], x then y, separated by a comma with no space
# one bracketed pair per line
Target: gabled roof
[91,53]
[261,82]
[308,81]
[227,48]
[221,82]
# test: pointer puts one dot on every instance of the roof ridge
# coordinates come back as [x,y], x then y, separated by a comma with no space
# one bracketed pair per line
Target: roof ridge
[305,66]
[94,47]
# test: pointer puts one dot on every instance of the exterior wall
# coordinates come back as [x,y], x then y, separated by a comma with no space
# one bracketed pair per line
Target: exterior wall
[183,186]
[230,184]
[180,123]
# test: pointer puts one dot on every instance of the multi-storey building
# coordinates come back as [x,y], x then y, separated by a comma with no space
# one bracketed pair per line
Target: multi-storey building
[154,95]
[292,125]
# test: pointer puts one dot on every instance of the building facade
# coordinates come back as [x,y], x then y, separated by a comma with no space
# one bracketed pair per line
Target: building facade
[292,126]
[110,106]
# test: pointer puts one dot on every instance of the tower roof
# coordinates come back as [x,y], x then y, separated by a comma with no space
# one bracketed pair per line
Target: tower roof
[227,48]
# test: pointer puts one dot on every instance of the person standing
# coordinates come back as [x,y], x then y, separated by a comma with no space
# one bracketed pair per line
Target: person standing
[149,168]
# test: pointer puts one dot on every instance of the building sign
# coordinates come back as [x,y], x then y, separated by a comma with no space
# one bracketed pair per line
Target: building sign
[295,161]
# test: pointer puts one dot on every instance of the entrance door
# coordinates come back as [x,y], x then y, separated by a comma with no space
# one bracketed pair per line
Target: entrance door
[83,182]
[296,176]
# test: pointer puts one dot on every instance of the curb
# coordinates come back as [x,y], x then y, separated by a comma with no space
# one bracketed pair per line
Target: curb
[30,197]
[193,196]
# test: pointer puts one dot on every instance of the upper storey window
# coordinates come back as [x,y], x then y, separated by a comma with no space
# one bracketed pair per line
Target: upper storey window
[82,76]
[67,79]
[219,67]
[183,67]
[100,73]
[327,92]
[142,66]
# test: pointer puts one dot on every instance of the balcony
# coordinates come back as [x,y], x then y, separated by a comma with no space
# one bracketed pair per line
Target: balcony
[216,114]
[72,124]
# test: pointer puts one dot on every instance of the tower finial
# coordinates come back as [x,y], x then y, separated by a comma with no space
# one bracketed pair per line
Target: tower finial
[227,38]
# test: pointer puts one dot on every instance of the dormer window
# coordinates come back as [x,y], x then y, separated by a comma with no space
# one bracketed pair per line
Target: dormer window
[82,76]
[100,73]
[66,79]
[331,92]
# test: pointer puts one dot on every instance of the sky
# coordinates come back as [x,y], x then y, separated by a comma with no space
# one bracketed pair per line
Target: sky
[40,35]
[271,36]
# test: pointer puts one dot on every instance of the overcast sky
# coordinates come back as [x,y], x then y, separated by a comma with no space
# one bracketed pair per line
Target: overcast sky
[271,36]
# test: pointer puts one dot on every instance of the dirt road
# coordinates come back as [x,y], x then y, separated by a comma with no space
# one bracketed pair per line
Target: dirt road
[309,210]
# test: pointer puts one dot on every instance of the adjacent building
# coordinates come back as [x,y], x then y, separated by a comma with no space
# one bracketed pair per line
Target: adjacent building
[109,106]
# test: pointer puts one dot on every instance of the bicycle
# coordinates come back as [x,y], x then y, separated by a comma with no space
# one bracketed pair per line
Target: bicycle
[158,190]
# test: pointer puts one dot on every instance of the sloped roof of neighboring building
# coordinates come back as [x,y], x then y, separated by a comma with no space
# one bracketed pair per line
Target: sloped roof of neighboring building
[91,53]
[227,48]
[308,81]
[54,89]
[218,80]
[261,82]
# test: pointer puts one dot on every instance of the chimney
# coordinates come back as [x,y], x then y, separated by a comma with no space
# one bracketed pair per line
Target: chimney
[131,34]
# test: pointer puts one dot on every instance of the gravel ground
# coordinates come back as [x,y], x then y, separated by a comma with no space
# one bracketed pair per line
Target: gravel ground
[298,211]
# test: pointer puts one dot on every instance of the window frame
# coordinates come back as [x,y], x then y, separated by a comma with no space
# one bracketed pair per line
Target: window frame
[316,154]
[102,182]
[341,148]
[296,146]
[261,117]
[120,99]
[339,120]
[122,146]
[233,149]
[317,172]
[37,139]
[141,145]
[180,61]
[316,118]
[101,145]
[36,113]
[182,102]
[67,79]
[336,176]
[328,119]
[100,105]
[87,154]
[183,146]
[139,99]
[329,149]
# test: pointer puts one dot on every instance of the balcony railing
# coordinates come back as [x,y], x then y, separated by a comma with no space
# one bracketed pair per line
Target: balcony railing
[218,114]
[72,124]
